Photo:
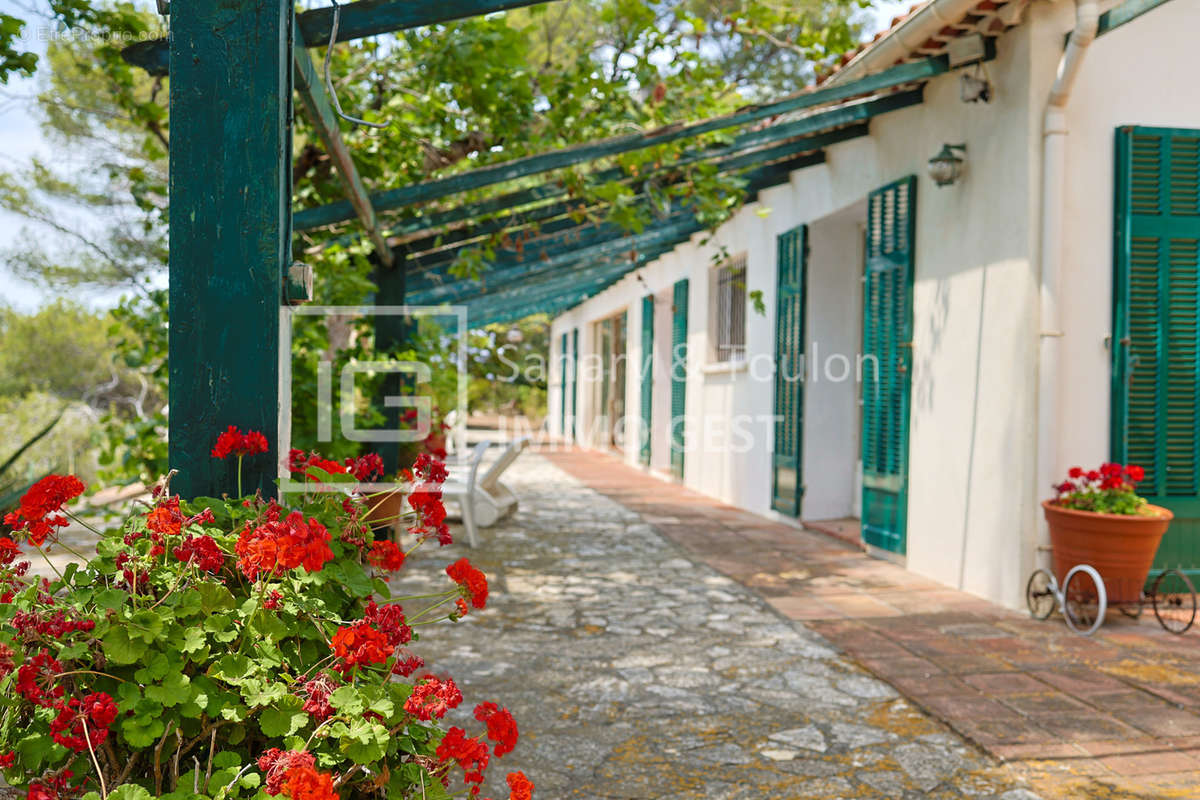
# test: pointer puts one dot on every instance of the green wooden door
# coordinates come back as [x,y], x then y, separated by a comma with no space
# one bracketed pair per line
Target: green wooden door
[887,363]
[562,354]
[647,384]
[574,382]
[679,330]
[1156,292]
[787,487]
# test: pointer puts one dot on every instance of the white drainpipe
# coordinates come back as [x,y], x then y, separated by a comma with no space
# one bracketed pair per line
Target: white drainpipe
[1054,163]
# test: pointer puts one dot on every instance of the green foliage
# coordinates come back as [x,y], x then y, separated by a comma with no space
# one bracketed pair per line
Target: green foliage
[207,632]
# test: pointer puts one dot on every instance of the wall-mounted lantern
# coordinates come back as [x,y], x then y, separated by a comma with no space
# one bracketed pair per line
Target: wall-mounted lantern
[948,165]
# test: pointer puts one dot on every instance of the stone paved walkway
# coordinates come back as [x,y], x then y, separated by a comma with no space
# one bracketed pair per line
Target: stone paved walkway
[635,672]
[1113,716]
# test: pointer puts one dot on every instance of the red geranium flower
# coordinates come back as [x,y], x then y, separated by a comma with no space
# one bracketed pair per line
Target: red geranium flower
[389,620]
[519,787]
[359,644]
[501,727]
[38,513]
[365,467]
[306,783]
[80,723]
[432,698]
[276,764]
[35,680]
[235,443]
[386,555]
[1134,473]
[471,754]
[277,545]
[203,551]
[473,582]
[8,551]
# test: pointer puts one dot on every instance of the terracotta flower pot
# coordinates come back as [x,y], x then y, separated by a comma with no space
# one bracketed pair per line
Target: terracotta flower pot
[1121,547]
[385,508]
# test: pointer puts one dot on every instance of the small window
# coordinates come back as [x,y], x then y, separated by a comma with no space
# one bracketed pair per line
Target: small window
[728,324]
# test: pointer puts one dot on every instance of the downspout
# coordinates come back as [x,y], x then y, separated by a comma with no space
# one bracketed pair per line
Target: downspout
[1054,164]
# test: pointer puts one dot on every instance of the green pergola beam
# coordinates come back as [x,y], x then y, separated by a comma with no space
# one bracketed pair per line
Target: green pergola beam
[675,232]
[427,287]
[590,151]
[1127,11]
[448,253]
[355,21]
[320,112]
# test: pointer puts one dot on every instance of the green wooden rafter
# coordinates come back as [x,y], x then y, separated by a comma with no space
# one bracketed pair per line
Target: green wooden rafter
[355,21]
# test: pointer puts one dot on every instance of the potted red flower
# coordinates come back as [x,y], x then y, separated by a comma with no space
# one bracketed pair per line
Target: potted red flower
[1097,518]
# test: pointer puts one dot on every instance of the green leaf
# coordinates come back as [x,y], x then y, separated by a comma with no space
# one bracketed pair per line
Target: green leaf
[34,750]
[347,700]
[119,648]
[234,669]
[142,730]
[129,791]
[147,624]
[154,669]
[355,579]
[194,641]
[215,597]
[286,718]
[172,691]
[112,599]
[262,693]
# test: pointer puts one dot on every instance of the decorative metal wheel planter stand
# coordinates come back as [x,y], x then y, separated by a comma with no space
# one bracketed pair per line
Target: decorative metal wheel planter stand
[1104,560]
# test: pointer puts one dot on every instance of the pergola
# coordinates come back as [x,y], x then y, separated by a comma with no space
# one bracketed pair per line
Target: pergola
[235,68]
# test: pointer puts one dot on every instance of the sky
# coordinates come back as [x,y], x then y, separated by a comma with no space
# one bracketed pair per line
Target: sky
[21,139]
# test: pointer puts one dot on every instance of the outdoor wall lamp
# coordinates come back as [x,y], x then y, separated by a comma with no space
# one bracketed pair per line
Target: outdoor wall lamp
[948,165]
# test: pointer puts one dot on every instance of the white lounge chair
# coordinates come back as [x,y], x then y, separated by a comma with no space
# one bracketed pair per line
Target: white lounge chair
[462,487]
[493,499]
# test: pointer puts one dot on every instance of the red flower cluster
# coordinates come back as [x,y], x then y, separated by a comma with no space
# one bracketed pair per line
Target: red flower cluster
[501,727]
[432,698]
[9,552]
[30,624]
[316,702]
[470,753]
[35,680]
[279,545]
[299,461]
[276,764]
[359,644]
[407,663]
[7,663]
[235,443]
[365,467]
[201,550]
[39,511]
[80,723]
[519,787]
[426,499]
[386,555]
[1109,476]
[389,620]
[306,783]
[473,583]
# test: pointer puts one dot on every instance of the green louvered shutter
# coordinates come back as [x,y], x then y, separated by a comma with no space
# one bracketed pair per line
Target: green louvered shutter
[679,330]
[562,354]
[787,487]
[1156,386]
[647,367]
[887,352]
[574,381]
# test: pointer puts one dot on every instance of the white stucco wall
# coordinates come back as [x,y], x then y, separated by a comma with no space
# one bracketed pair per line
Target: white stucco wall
[973,499]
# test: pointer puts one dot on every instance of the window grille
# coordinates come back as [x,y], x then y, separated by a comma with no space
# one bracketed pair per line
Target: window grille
[730,311]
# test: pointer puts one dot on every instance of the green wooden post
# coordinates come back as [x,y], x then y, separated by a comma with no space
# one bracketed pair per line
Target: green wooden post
[230,235]
[787,460]
[390,335]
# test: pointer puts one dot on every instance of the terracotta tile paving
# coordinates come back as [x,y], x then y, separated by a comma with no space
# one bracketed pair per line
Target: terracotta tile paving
[1115,715]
